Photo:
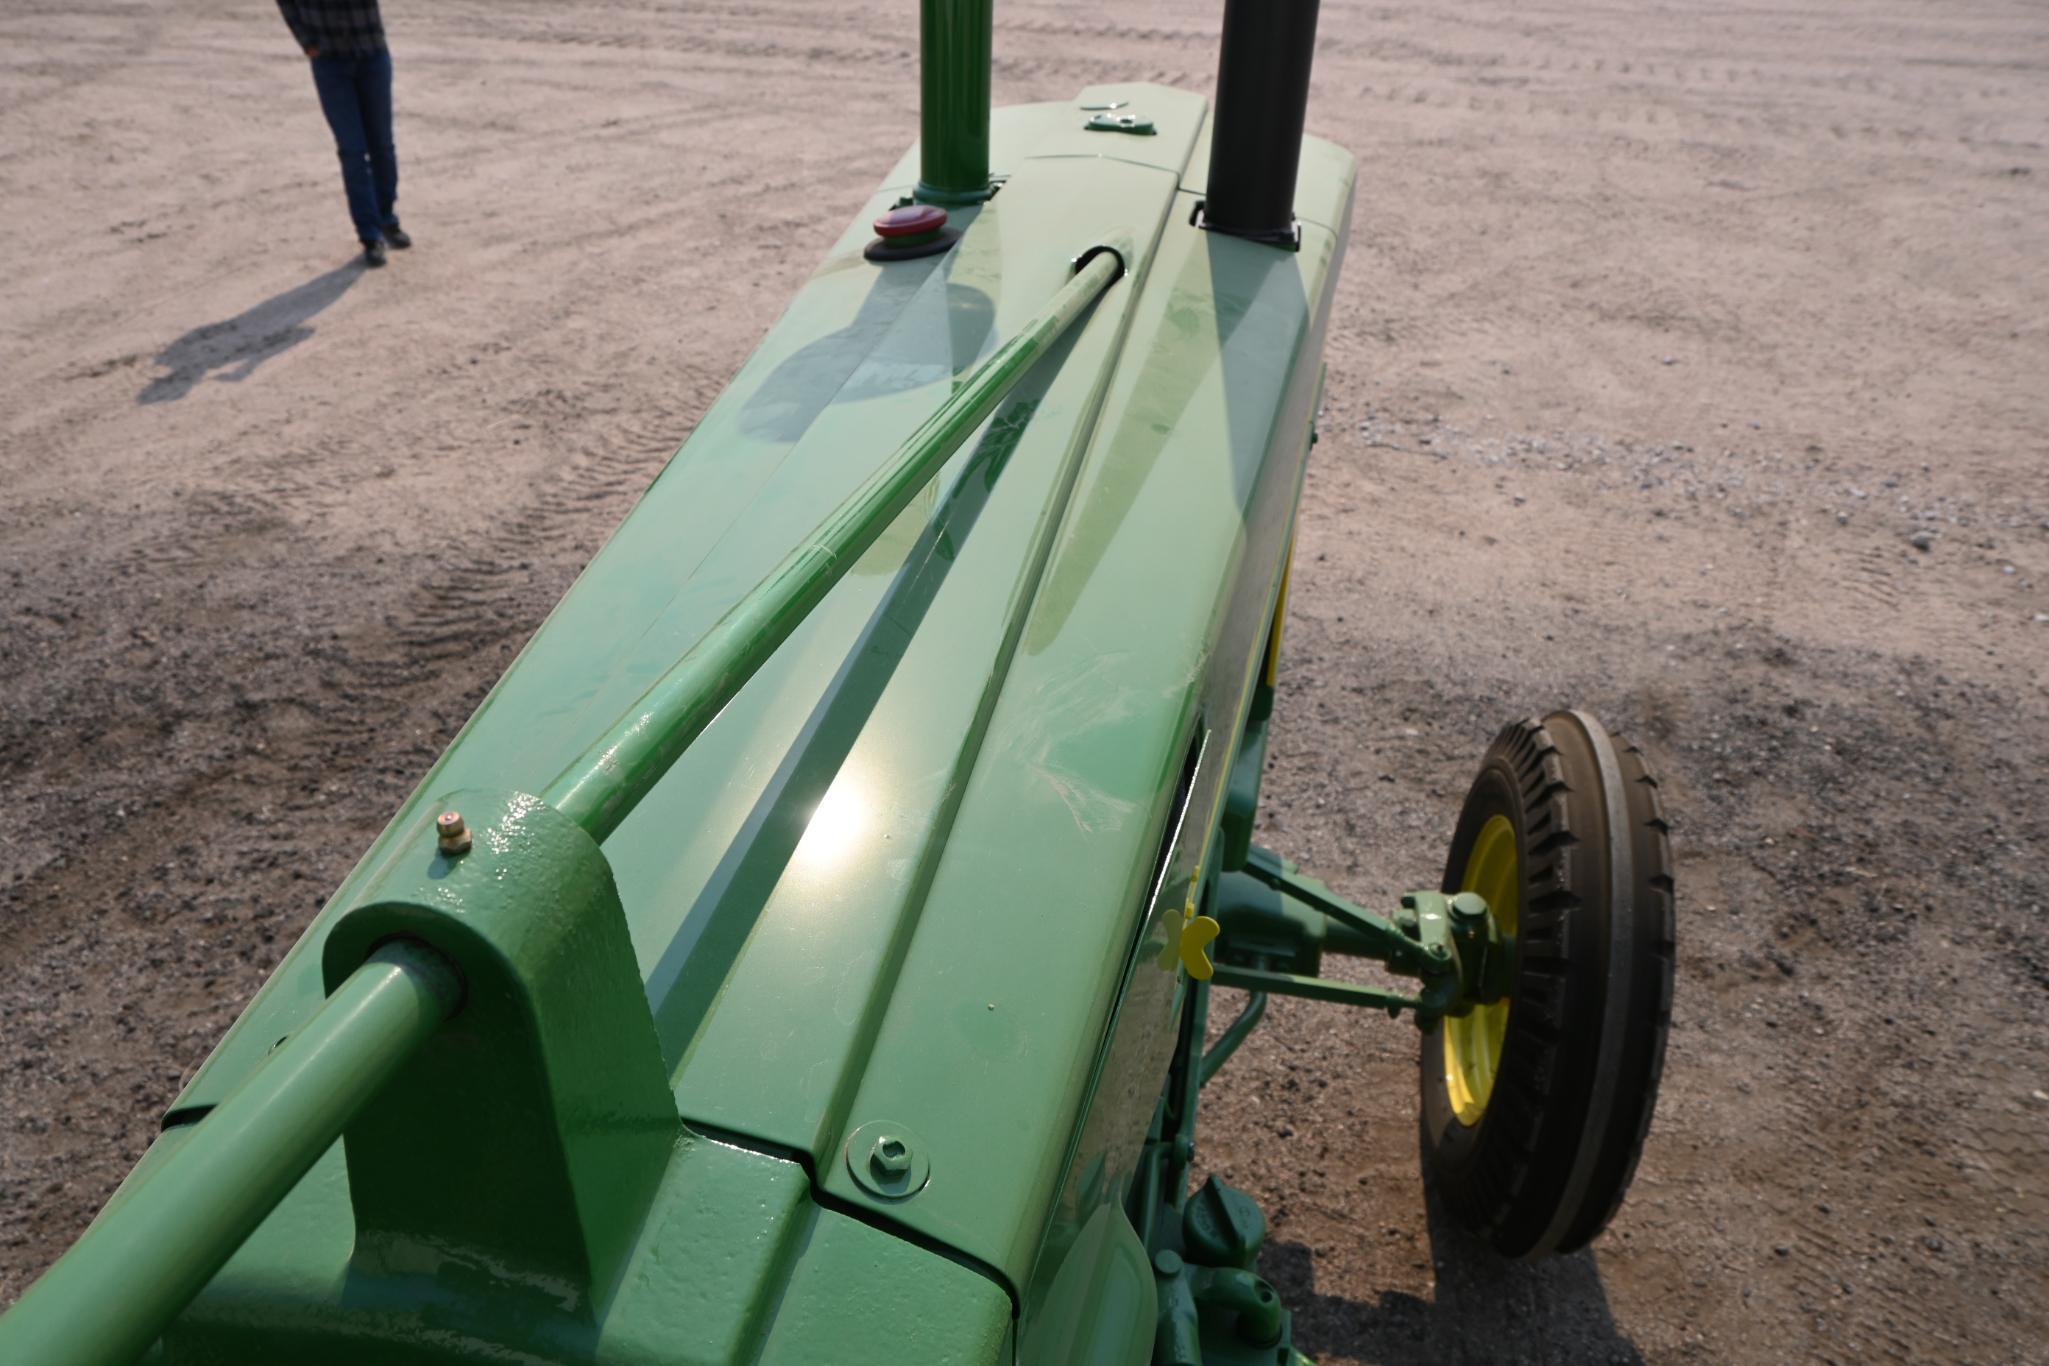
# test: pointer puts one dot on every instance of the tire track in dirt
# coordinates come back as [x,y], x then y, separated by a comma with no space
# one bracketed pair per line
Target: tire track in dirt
[140,26]
[1203,39]
[490,592]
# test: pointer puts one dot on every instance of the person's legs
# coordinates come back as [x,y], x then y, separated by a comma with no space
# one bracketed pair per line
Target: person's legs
[335,79]
[373,92]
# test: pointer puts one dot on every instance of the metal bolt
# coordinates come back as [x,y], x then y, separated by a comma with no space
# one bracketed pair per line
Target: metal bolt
[1469,907]
[890,1157]
[887,1160]
[455,836]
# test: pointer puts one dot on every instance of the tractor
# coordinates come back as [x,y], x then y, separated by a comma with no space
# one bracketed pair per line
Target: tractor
[804,953]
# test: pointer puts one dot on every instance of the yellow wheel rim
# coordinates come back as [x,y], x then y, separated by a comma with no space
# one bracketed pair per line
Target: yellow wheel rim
[1472,1043]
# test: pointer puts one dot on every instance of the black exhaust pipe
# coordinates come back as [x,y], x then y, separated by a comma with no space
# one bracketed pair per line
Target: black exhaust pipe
[1256,127]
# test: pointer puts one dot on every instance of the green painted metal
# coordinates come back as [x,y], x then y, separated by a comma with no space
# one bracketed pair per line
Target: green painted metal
[145,1258]
[1234,1034]
[551,1068]
[1222,1226]
[1257,1323]
[1212,1308]
[1404,950]
[601,786]
[846,904]
[1183,506]
[1248,770]
[1278,923]
[918,870]
[1431,1002]
[1101,1308]
[1485,957]
[735,1262]
[880,689]
[1271,405]
[953,126]
[1264,927]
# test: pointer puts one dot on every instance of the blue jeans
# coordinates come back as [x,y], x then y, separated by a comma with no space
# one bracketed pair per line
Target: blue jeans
[355,94]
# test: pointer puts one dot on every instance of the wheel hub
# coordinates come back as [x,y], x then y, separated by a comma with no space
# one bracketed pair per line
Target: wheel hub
[1473,1041]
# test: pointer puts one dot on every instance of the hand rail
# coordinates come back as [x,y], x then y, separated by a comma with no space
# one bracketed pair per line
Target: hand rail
[156,1246]
[153,1248]
[603,784]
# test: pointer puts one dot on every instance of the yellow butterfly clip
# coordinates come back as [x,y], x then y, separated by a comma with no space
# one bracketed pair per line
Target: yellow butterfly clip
[1196,932]
[1190,947]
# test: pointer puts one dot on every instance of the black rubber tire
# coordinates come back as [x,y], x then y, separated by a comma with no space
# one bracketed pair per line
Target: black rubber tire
[1547,1161]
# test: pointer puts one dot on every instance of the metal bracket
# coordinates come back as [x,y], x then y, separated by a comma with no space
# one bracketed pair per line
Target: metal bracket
[1288,239]
[548,1083]
[1212,1308]
[1277,923]
[1120,123]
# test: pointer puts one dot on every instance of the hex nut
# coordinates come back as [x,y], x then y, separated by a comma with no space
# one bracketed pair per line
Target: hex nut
[887,1160]
[890,1157]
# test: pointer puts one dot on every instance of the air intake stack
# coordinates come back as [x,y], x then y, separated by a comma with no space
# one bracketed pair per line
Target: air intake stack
[953,91]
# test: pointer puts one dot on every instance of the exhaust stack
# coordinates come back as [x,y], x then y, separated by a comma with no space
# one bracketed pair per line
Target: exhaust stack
[1256,127]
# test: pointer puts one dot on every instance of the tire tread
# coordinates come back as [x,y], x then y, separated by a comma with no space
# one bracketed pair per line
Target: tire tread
[1503,1177]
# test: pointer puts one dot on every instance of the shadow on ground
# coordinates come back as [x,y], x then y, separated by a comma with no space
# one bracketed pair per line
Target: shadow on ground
[235,347]
[1486,1309]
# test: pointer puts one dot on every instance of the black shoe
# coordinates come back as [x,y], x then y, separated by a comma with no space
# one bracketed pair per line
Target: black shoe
[397,237]
[373,254]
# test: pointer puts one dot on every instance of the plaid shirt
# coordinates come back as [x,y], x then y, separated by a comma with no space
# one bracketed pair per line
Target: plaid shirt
[335,28]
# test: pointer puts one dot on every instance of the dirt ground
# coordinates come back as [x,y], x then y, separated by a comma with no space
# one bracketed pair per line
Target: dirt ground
[1691,366]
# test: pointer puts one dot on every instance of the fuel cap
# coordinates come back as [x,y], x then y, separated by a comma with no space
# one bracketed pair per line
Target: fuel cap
[909,231]
[908,221]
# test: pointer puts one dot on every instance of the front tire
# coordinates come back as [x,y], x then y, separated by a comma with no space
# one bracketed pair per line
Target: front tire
[1535,1107]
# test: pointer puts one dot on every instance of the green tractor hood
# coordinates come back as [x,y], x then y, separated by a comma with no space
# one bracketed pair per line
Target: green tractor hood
[903,919]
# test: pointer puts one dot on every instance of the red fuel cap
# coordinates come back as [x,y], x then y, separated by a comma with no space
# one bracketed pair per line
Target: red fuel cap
[912,220]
